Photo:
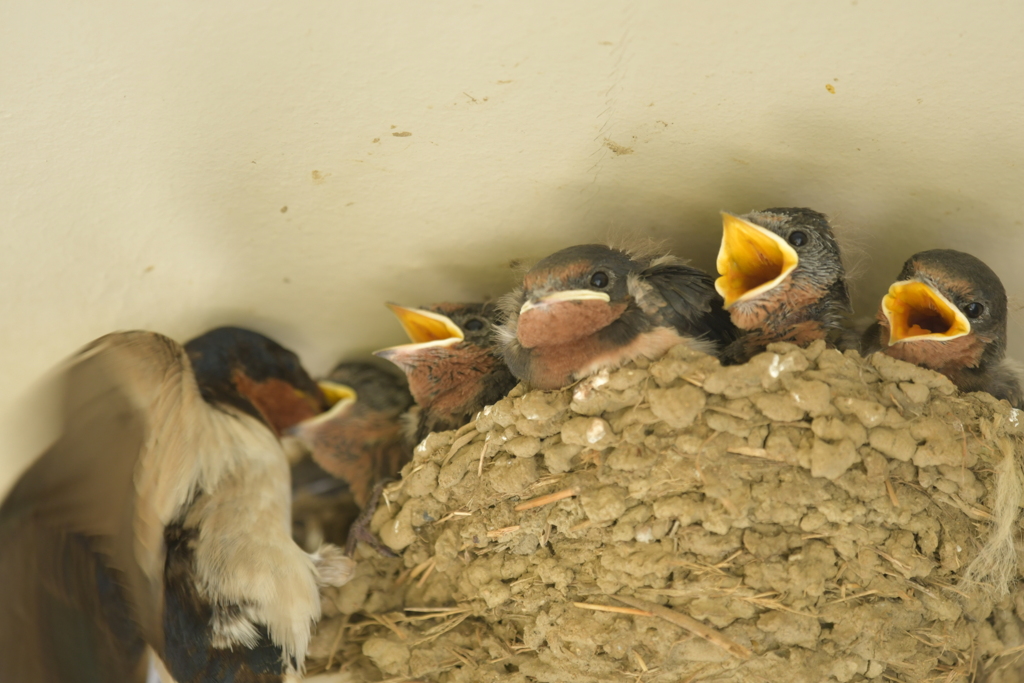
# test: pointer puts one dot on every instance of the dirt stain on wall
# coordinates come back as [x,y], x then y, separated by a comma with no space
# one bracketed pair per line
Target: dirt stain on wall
[615,147]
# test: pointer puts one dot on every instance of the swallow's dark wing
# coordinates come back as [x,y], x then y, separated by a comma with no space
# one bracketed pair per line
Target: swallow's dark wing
[695,308]
[869,339]
[1005,382]
[81,563]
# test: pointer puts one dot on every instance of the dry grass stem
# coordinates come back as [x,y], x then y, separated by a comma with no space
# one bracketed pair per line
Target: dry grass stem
[459,442]
[442,628]
[612,608]
[426,575]
[336,643]
[854,597]
[690,624]
[755,453]
[453,515]
[545,500]
[891,490]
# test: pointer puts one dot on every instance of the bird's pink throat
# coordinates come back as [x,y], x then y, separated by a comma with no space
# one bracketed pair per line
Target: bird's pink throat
[565,321]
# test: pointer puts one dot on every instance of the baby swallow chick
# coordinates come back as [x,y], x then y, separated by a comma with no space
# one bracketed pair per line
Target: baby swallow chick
[452,365]
[360,442]
[782,279]
[360,439]
[592,307]
[947,312]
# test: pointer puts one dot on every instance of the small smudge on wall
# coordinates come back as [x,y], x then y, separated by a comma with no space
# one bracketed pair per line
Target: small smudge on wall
[615,147]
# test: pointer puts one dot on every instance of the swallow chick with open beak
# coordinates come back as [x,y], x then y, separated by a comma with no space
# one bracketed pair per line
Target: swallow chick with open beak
[452,365]
[360,441]
[159,520]
[782,278]
[947,312]
[593,307]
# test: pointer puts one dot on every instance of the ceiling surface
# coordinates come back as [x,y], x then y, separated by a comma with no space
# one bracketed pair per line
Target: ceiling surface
[292,166]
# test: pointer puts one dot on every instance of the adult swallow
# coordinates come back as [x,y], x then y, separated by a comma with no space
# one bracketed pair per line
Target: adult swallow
[782,279]
[452,365]
[591,307]
[158,522]
[947,312]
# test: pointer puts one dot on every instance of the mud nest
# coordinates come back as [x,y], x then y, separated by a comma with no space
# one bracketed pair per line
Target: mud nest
[808,516]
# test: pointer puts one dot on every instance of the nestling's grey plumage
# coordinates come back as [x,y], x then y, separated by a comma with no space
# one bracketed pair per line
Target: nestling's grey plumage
[783,279]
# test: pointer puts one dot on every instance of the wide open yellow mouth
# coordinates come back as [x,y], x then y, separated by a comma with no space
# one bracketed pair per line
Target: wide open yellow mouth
[425,327]
[915,311]
[751,260]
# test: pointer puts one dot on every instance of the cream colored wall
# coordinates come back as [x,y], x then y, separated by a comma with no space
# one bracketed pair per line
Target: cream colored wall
[148,152]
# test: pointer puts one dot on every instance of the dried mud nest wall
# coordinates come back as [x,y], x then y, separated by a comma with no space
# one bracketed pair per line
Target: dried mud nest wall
[809,516]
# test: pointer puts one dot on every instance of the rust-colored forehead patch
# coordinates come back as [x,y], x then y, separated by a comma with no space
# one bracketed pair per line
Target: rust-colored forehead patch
[280,403]
[956,286]
[770,220]
[948,283]
[560,273]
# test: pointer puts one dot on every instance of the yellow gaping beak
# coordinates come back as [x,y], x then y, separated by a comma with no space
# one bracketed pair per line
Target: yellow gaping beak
[915,311]
[335,392]
[426,327]
[751,260]
[340,397]
[569,295]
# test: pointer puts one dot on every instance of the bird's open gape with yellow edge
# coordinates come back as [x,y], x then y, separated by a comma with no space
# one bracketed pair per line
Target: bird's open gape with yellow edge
[751,260]
[917,312]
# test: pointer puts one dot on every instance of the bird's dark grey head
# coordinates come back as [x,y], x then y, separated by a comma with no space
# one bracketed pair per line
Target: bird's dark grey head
[781,274]
[809,234]
[594,267]
[476,320]
[380,388]
[968,283]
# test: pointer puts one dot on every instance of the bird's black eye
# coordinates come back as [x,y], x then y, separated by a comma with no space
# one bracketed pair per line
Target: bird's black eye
[798,238]
[974,309]
[474,325]
[599,280]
